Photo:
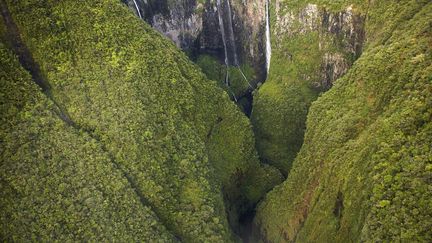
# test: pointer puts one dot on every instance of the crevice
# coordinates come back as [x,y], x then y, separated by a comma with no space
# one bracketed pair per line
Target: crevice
[338,208]
[21,50]
[28,63]
[246,103]
[246,225]
[26,60]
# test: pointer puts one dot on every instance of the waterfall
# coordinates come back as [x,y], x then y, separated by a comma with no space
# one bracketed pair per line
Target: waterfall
[230,41]
[244,76]
[227,82]
[137,9]
[224,41]
[222,30]
[235,98]
[268,41]
[231,33]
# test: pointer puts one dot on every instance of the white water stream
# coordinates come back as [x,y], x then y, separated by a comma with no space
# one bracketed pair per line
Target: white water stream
[244,76]
[137,9]
[268,40]
[231,39]
[222,30]
[231,33]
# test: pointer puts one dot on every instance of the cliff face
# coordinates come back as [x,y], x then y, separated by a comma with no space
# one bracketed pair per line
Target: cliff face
[312,47]
[195,26]
[180,21]
[364,172]
[340,36]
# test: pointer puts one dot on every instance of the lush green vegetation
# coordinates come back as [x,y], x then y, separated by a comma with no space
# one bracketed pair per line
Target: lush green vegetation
[332,5]
[56,182]
[364,171]
[239,85]
[125,139]
[281,105]
[148,132]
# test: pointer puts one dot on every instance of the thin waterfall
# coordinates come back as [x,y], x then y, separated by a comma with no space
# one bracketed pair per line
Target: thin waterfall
[231,33]
[137,9]
[232,41]
[268,40]
[227,82]
[222,30]
[232,93]
[244,76]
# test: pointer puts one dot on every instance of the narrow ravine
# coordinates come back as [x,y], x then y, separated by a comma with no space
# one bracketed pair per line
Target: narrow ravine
[229,58]
[245,230]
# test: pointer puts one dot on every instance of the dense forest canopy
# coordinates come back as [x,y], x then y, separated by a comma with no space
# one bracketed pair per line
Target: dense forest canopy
[158,121]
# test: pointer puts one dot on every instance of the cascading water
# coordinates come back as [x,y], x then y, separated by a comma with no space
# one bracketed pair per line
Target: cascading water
[233,44]
[226,60]
[268,41]
[231,39]
[244,76]
[222,30]
[231,33]
[226,18]
[137,9]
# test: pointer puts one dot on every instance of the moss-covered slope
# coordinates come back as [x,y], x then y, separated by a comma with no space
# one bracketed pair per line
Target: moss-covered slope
[57,182]
[130,103]
[364,171]
[314,43]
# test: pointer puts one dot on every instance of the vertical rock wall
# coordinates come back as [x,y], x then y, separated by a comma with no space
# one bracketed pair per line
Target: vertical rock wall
[193,26]
[340,37]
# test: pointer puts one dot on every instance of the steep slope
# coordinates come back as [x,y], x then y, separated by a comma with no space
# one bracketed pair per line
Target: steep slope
[364,173]
[314,43]
[177,141]
[68,178]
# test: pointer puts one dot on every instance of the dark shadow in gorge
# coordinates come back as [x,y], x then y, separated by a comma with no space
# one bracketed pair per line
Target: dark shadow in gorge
[246,226]
[241,222]
[246,103]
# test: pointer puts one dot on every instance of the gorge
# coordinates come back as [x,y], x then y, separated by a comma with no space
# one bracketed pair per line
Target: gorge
[216,120]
